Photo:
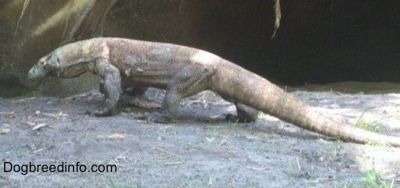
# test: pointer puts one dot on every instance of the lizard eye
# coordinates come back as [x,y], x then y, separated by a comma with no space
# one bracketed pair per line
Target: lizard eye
[42,63]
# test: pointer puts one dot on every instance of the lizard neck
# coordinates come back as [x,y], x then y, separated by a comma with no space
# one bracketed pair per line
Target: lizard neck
[79,57]
[82,51]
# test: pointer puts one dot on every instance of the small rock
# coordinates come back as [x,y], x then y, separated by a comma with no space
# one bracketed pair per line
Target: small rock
[5,130]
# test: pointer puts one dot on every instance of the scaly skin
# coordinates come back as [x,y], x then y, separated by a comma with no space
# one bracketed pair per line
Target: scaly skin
[185,71]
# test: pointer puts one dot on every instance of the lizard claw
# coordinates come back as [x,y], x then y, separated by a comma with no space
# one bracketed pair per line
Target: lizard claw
[102,112]
[157,117]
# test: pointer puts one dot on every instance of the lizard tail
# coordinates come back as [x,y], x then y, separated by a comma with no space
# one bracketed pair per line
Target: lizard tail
[232,81]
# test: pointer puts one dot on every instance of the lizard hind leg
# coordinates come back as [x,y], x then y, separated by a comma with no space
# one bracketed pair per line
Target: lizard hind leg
[136,97]
[190,80]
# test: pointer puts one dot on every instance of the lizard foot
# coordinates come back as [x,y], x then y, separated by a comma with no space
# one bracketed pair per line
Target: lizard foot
[158,117]
[237,119]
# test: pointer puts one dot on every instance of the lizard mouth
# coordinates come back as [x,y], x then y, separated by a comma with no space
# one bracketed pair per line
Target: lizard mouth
[36,73]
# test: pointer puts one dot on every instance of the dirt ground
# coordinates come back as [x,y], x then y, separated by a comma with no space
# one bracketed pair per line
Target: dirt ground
[199,149]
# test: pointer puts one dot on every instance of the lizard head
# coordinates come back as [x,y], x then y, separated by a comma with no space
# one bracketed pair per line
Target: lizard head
[47,66]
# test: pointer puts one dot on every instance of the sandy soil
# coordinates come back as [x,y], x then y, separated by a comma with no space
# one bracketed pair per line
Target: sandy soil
[198,150]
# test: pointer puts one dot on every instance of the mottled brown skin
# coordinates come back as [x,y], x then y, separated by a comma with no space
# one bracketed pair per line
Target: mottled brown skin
[182,72]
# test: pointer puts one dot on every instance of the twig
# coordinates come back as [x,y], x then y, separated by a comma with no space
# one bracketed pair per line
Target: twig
[55,115]
[180,6]
[39,126]
[7,113]
[116,159]
[26,3]
[257,168]
[298,164]
[167,152]
[278,16]
[174,163]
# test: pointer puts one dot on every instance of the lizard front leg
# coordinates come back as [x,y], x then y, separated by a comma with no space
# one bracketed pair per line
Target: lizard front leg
[110,85]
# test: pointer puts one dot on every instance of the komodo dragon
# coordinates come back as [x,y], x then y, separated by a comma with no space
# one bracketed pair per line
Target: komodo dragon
[185,71]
